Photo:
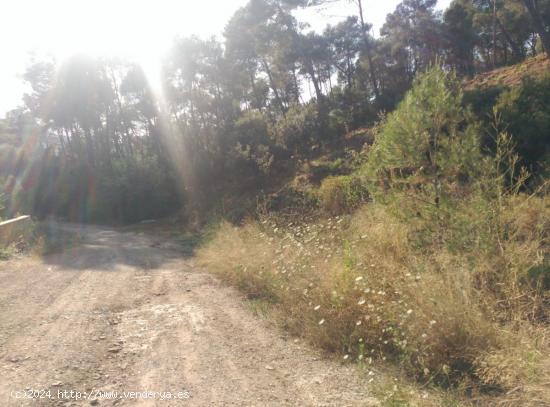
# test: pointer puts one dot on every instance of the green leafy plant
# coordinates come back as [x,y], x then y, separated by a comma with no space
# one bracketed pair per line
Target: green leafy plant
[342,194]
[429,143]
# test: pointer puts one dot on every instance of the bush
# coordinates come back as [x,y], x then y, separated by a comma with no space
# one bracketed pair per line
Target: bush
[323,168]
[342,194]
[126,191]
[298,129]
[293,200]
[119,189]
[525,114]
[429,143]
[362,286]
[522,111]
[355,286]
[251,143]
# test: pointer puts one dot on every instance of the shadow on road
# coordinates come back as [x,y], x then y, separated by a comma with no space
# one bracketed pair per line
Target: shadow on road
[76,246]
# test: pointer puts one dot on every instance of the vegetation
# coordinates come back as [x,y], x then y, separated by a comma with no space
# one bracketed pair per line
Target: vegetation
[2,202]
[516,100]
[441,273]
[90,128]
[381,202]
[342,194]
[524,113]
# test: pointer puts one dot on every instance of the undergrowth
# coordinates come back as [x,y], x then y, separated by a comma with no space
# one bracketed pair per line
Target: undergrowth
[443,272]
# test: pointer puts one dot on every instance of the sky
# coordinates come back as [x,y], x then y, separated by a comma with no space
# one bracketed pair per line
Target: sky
[140,30]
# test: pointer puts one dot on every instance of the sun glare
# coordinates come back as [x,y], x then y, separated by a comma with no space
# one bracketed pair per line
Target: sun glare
[139,31]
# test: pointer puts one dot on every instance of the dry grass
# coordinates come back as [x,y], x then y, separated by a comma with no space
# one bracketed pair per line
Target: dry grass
[342,194]
[510,76]
[360,286]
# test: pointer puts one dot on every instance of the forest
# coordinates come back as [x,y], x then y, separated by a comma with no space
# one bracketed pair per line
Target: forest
[93,137]
[383,195]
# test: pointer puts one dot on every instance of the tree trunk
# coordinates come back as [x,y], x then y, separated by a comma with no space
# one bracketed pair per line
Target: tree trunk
[62,142]
[516,49]
[533,10]
[318,91]
[368,53]
[258,103]
[273,87]
[494,33]
[296,86]
[90,150]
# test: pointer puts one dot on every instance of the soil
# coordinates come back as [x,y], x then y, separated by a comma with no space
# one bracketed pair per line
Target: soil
[124,312]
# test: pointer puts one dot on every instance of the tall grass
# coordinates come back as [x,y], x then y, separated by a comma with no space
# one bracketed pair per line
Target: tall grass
[361,286]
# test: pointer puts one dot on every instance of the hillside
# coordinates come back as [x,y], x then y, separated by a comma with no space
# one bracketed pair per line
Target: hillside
[509,76]
[377,254]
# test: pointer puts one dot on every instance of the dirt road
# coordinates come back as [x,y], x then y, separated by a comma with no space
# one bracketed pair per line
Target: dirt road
[125,312]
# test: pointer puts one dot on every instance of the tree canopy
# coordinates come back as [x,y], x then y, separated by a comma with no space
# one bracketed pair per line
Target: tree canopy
[235,106]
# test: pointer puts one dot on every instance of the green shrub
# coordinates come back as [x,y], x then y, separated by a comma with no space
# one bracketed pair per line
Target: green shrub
[126,191]
[323,168]
[292,200]
[298,129]
[250,143]
[342,194]
[430,142]
[525,114]
[4,254]
[481,101]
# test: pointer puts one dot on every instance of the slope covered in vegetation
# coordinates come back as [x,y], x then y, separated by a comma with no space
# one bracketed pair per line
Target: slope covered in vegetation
[516,100]
[443,271]
[511,76]
[93,136]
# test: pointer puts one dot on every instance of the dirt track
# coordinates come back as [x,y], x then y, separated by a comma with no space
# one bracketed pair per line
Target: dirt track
[123,312]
